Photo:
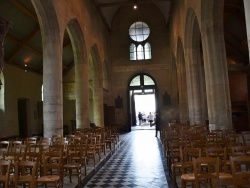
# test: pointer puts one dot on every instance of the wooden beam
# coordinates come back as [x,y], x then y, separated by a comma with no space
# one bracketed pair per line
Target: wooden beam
[239,43]
[10,37]
[23,44]
[230,47]
[24,10]
[234,6]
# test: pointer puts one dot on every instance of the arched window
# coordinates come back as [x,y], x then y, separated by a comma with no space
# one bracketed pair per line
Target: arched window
[140,52]
[139,33]
[132,52]
[147,51]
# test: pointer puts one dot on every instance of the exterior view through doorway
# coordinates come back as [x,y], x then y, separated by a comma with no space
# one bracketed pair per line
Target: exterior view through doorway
[142,97]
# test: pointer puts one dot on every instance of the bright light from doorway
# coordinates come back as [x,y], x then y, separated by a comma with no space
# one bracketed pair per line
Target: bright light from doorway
[144,103]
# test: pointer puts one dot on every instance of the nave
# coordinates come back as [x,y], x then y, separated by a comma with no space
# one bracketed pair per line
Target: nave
[139,162]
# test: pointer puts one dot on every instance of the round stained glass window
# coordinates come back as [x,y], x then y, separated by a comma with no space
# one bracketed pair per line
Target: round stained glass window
[139,31]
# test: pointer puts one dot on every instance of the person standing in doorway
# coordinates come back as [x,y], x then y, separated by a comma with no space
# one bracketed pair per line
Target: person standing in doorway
[140,118]
[150,119]
[157,124]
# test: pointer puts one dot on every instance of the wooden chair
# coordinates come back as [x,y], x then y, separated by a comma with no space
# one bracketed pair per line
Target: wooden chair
[35,156]
[200,144]
[230,182]
[205,169]
[75,160]
[98,145]
[187,175]
[221,153]
[246,138]
[20,148]
[13,145]
[25,173]
[5,177]
[13,156]
[54,137]
[52,170]
[240,166]
[45,140]
[91,149]
[4,146]
[31,139]
[240,150]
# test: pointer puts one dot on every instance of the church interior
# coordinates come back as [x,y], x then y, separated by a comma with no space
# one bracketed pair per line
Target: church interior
[82,64]
[66,63]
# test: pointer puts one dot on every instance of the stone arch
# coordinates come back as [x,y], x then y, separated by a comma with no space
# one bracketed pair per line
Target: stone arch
[215,65]
[81,73]
[182,85]
[195,70]
[96,81]
[52,68]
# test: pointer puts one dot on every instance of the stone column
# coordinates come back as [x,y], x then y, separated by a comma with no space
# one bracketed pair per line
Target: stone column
[247,14]
[216,75]
[82,95]
[98,99]
[194,92]
[52,85]
[183,98]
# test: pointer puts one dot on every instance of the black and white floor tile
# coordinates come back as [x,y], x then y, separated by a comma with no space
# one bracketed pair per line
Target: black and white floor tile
[139,162]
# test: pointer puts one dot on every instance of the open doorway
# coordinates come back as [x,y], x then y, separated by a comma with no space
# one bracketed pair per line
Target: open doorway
[143,97]
[144,104]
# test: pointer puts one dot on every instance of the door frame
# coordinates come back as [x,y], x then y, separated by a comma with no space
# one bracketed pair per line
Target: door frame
[130,97]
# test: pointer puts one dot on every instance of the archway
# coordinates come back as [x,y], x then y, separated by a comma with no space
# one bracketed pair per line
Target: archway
[96,84]
[141,85]
[195,71]
[182,84]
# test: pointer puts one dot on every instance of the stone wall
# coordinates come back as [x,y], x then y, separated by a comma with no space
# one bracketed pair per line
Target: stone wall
[159,67]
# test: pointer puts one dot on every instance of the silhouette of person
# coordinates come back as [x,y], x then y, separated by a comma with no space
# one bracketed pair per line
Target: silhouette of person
[157,124]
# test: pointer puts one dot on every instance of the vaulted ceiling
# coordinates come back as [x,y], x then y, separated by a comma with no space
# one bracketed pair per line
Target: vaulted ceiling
[23,43]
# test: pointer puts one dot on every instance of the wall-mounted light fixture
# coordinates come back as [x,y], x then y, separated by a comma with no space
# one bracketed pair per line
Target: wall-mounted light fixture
[135,6]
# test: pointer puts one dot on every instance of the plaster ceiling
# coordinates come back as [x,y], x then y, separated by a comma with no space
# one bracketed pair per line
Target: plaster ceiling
[23,43]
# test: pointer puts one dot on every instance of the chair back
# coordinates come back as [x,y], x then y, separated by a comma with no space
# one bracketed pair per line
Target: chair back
[205,168]
[240,166]
[5,167]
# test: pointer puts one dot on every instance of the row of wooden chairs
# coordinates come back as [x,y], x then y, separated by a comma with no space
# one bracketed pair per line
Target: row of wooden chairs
[216,143]
[206,172]
[77,150]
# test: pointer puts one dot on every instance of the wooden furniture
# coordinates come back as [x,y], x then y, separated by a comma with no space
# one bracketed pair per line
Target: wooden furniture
[75,160]
[5,177]
[52,169]
[25,173]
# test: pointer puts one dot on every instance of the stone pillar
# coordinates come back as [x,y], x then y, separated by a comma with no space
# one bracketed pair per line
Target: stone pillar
[216,75]
[52,85]
[194,92]
[82,95]
[247,14]
[98,99]
[183,98]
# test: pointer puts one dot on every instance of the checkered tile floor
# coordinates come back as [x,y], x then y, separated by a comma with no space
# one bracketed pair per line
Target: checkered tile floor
[139,162]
